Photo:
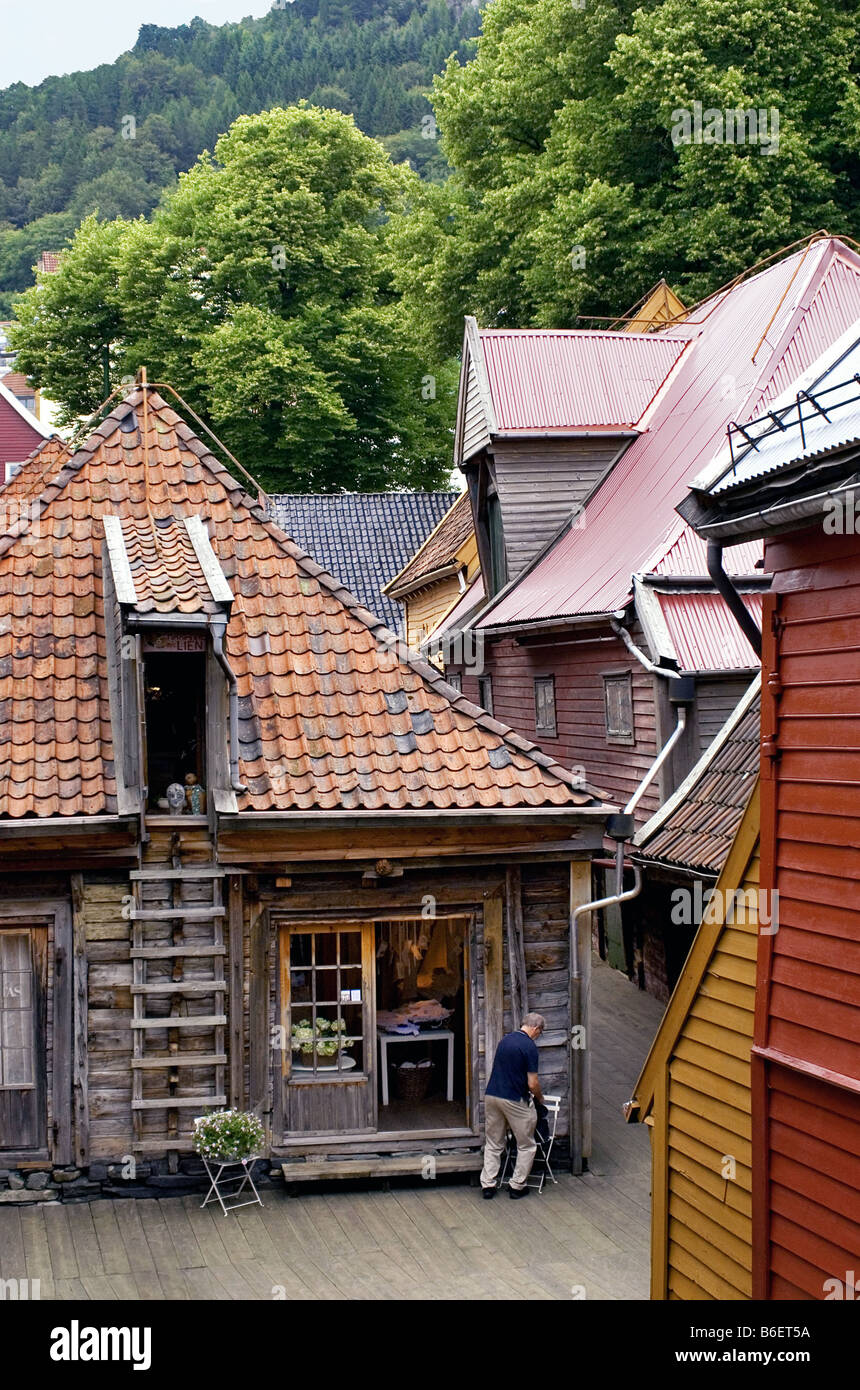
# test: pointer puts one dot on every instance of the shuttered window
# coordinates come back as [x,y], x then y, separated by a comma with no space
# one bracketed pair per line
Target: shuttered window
[618,699]
[545,722]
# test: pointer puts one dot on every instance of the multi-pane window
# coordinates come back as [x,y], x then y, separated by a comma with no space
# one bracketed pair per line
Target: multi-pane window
[325,1000]
[17,1060]
[485,693]
[545,722]
[618,699]
[454,679]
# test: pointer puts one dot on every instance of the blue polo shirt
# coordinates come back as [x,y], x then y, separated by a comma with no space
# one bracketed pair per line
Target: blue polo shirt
[516,1055]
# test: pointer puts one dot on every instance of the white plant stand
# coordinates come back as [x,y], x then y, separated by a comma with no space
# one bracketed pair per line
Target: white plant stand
[218,1190]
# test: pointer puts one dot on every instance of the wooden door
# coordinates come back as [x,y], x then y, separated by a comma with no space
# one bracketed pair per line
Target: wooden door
[328,1017]
[22,1038]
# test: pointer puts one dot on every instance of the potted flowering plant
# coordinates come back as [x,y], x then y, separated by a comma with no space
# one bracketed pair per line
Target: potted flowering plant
[227,1136]
[323,1042]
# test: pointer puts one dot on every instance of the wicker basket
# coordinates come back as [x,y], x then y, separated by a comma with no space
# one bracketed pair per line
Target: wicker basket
[412,1083]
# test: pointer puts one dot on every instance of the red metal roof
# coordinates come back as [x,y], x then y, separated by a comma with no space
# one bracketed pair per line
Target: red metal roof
[737,341]
[704,634]
[686,555]
[565,380]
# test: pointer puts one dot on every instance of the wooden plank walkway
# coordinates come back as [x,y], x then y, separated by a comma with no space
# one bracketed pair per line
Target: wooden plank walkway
[588,1237]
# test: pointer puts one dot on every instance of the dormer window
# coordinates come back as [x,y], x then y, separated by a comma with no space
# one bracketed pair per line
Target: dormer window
[174,683]
[173,693]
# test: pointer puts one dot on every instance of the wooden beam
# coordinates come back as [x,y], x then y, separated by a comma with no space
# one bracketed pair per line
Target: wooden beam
[62,1034]
[516,948]
[659,1139]
[258,1039]
[580,1021]
[235,908]
[494,976]
[80,1077]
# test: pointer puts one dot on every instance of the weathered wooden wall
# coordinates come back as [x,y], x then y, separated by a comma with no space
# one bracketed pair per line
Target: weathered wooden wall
[578,667]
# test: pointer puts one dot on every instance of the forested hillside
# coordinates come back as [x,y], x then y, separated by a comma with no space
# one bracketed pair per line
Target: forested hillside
[111,139]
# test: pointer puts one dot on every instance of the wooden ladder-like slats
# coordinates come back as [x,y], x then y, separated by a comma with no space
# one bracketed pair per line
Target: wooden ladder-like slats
[177,1024]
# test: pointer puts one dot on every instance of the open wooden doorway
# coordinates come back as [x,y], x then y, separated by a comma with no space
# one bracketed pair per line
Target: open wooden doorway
[423,1010]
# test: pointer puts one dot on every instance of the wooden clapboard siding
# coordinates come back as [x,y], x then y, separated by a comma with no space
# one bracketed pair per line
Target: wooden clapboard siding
[578,668]
[695,1089]
[807,1053]
[107,936]
[715,701]
[540,482]
[476,434]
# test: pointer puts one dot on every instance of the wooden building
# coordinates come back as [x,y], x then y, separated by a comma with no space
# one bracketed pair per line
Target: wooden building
[578,448]
[243,831]
[20,429]
[434,579]
[792,476]
[694,1089]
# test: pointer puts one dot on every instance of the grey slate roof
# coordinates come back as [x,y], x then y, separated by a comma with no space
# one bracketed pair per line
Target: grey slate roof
[362,538]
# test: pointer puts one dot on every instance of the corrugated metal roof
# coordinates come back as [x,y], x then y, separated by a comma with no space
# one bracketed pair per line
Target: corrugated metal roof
[704,634]
[722,376]
[696,827]
[797,428]
[565,380]
[686,555]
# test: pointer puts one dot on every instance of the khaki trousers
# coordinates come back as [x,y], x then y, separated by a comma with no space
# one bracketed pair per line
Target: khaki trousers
[520,1118]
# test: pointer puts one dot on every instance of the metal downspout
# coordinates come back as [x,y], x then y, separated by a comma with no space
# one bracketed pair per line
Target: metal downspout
[219,628]
[580,997]
[727,590]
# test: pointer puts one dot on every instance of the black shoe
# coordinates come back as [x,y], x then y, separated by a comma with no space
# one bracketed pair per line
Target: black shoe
[519,1192]
[488,1193]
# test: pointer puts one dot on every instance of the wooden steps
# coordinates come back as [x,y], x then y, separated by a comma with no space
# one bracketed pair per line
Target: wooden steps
[187,1059]
[179,1102]
[158,874]
[173,914]
[159,942]
[169,952]
[182,987]
[381,1166]
[181,1021]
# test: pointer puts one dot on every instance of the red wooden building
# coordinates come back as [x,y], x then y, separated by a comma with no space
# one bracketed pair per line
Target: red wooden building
[577,448]
[20,431]
[792,476]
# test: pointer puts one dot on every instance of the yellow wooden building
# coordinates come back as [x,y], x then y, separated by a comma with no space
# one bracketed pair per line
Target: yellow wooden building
[694,1089]
[438,574]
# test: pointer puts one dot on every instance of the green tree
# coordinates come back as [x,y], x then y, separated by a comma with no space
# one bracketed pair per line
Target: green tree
[572,192]
[261,291]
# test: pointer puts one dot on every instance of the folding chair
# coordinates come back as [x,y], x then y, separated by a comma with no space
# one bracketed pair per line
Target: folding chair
[541,1169]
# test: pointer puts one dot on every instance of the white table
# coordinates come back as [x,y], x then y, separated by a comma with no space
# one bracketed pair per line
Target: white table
[429,1035]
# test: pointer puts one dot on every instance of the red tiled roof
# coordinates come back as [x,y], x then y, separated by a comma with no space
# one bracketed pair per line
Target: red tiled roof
[17,383]
[738,340]
[335,713]
[439,549]
[49,261]
[547,379]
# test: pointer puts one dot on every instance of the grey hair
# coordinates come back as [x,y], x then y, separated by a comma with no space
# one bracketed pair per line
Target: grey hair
[534,1021]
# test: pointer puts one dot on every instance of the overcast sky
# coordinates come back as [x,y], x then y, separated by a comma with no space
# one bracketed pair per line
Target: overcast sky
[44,38]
